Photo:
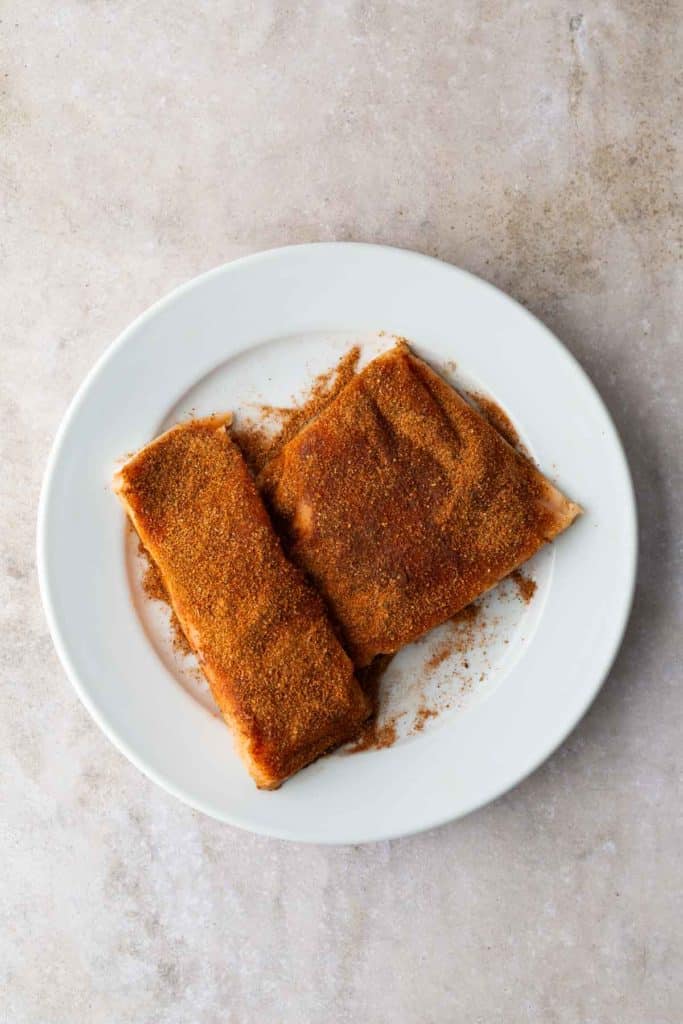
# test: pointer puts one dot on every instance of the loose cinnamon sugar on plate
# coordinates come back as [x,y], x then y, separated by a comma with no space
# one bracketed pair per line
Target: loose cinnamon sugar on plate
[526,587]
[461,638]
[153,588]
[259,444]
[457,661]
[374,737]
[423,715]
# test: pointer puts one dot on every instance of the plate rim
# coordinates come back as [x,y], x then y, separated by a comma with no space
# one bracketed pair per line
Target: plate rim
[512,780]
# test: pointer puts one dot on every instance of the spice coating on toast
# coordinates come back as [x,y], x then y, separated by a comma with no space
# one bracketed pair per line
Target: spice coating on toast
[404,504]
[275,666]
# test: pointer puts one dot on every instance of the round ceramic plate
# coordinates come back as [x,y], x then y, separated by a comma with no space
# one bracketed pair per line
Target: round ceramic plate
[258,331]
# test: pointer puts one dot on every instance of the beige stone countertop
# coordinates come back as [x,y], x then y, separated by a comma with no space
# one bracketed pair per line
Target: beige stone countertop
[142,143]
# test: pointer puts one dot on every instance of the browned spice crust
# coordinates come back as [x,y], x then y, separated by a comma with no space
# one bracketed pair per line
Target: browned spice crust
[498,418]
[404,504]
[260,446]
[275,666]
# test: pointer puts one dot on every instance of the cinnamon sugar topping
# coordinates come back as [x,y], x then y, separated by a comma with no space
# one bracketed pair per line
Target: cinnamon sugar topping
[275,666]
[259,444]
[401,503]
[497,417]
[404,505]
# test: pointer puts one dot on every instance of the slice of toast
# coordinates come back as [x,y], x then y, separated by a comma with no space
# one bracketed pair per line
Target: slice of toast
[404,504]
[275,666]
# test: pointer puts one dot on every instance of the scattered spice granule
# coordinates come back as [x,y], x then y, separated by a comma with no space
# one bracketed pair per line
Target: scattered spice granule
[153,588]
[467,614]
[423,714]
[152,583]
[526,587]
[259,444]
[441,654]
[465,627]
[180,642]
[374,737]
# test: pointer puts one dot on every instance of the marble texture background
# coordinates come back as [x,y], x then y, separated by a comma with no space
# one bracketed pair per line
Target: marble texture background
[531,143]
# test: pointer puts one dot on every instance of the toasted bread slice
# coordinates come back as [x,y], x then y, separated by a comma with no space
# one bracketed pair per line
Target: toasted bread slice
[275,666]
[404,504]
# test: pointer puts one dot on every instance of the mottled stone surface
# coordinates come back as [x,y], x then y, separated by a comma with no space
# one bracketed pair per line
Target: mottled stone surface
[531,143]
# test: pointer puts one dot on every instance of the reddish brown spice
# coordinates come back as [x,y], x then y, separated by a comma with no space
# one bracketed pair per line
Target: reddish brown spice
[420,414]
[461,639]
[526,587]
[423,715]
[403,504]
[374,737]
[259,444]
[275,666]
[153,588]
[498,418]
[441,654]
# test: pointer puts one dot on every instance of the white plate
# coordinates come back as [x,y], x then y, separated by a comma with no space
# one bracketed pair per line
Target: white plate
[257,330]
